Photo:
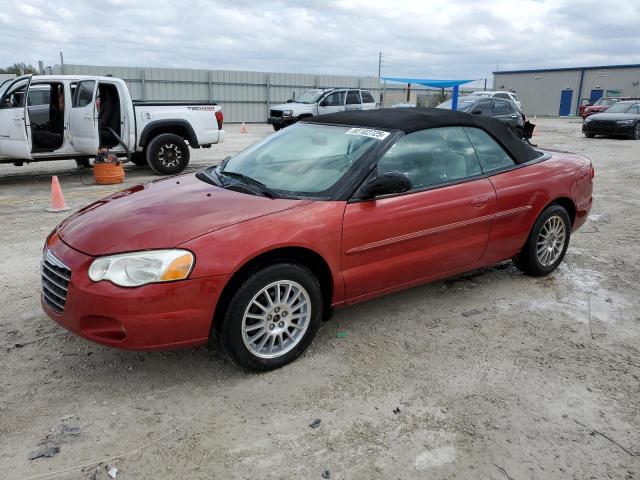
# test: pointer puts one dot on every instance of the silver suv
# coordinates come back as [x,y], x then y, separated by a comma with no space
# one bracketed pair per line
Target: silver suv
[318,102]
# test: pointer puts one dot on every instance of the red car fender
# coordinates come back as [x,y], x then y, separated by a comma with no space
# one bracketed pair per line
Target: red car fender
[227,250]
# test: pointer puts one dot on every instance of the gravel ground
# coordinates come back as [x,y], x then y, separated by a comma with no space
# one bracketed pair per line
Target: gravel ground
[490,375]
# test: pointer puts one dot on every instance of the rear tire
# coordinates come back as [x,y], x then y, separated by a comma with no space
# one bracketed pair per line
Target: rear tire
[547,243]
[636,132]
[590,135]
[285,300]
[167,154]
[277,127]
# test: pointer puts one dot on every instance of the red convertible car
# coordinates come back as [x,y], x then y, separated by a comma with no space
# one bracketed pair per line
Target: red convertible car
[332,211]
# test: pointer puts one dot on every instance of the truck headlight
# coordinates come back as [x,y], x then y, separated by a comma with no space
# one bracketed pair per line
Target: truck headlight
[625,122]
[287,113]
[140,268]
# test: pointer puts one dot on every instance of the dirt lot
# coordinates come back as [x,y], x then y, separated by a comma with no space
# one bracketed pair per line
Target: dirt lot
[490,375]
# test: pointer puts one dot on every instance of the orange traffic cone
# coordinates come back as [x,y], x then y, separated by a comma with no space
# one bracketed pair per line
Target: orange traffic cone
[57,199]
[243,128]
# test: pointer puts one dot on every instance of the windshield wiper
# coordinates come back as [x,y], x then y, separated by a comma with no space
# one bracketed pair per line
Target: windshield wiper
[261,187]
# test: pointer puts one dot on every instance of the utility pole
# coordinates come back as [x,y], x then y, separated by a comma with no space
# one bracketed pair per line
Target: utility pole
[379,64]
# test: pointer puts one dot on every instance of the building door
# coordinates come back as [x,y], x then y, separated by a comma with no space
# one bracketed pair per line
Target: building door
[565,102]
[595,96]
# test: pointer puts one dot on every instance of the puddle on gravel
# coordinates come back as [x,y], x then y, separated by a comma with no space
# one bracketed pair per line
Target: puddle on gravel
[576,292]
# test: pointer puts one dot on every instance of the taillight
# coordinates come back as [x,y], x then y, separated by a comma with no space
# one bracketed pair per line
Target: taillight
[220,119]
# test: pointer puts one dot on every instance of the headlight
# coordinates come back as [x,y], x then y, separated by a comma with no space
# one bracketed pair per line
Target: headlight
[287,113]
[625,122]
[140,268]
[587,120]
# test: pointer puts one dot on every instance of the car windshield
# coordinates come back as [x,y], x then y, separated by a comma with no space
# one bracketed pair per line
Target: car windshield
[620,107]
[310,96]
[606,101]
[303,160]
[465,104]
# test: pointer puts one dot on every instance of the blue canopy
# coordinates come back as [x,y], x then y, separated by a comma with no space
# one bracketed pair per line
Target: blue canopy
[429,82]
[434,83]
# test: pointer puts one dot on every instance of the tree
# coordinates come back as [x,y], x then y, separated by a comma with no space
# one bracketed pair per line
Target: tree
[17,67]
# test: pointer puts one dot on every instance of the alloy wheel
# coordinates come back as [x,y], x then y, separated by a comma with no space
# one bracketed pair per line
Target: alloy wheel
[276,319]
[170,155]
[551,240]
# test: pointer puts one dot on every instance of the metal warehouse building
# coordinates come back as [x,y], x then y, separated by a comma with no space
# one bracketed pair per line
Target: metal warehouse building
[560,91]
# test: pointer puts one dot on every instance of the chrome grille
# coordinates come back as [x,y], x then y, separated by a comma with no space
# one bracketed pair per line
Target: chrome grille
[55,281]
[276,113]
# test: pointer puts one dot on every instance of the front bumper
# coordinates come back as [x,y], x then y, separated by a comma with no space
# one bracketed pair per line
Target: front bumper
[281,120]
[150,317]
[606,128]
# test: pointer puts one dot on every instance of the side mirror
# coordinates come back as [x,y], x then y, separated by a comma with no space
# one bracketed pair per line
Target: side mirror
[476,112]
[387,183]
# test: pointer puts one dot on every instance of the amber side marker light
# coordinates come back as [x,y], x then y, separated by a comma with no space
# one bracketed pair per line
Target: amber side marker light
[178,269]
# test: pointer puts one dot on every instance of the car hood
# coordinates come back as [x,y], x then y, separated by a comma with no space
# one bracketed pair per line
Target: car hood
[613,116]
[162,214]
[295,106]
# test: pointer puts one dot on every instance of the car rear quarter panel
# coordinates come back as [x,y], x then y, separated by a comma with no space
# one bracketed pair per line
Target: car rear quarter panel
[529,190]
[315,226]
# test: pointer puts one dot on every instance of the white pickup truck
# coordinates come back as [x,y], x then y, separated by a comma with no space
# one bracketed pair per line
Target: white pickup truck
[73,117]
[318,102]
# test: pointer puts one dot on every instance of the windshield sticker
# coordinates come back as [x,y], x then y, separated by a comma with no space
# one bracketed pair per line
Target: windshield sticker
[367,132]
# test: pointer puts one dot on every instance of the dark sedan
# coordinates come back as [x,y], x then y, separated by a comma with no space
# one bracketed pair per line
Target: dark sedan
[621,119]
[504,110]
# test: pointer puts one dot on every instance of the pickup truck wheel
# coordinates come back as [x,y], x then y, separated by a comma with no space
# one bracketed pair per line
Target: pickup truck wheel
[277,127]
[167,154]
[272,317]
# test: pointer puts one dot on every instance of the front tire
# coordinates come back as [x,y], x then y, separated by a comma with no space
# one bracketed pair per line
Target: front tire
[547,243]
[636,132]
[167,154]
[590,135]
[272,317]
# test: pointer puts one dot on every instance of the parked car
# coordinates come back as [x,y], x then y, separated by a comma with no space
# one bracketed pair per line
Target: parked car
[621,119]
[73,117]
[320,102]
[504,110]
[602,104]
[332,211]
[499,94]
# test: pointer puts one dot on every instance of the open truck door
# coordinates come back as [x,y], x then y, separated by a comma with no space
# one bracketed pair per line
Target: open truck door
[83,120]
[15,128]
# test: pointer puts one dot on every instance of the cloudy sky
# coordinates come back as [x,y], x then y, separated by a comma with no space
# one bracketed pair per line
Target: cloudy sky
[444,39]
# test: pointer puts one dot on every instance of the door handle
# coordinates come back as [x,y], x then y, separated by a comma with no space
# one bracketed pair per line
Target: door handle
[515,115]
[480,202]
[88,117]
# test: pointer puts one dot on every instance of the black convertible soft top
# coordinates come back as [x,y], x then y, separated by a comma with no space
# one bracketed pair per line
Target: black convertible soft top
[413,119]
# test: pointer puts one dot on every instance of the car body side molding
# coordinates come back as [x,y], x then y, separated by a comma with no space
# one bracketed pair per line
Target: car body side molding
[430,231]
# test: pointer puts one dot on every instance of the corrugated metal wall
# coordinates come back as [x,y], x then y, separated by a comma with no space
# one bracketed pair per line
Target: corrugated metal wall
[244,96]
[540,91]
